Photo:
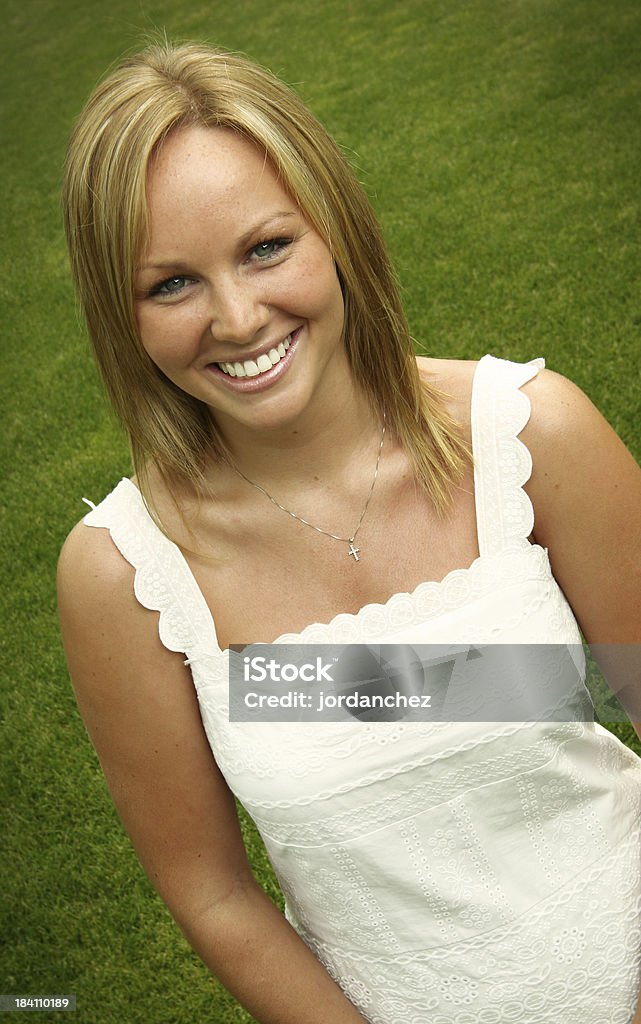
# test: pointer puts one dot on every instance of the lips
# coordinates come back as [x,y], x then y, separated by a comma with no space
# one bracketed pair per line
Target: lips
[255,374]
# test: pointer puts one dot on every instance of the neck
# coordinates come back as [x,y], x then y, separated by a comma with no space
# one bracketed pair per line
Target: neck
[319,446]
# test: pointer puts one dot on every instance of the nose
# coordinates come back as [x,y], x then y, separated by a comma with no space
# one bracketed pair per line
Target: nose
[238,312]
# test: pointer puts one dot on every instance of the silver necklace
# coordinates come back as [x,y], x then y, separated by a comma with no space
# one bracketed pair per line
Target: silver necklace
[352,551]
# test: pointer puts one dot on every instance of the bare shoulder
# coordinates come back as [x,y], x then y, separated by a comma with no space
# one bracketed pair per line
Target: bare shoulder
[95,591]
[585,488]
[105,630]
[454,378]
[556,401]
[570,440]
[90,561]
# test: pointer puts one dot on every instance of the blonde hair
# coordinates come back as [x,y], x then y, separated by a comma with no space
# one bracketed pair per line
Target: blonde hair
[125,120]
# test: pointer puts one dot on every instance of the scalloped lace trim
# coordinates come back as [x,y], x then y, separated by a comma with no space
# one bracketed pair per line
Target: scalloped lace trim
[430,599]
[163,581]
[503,464]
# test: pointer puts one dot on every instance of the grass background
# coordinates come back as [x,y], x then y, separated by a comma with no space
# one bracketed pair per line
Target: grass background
[499,141]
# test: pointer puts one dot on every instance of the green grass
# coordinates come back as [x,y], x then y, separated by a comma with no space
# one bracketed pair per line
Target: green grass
[499,142]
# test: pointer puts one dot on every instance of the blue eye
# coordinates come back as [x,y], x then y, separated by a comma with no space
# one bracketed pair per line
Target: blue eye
[269,248]
[171,286]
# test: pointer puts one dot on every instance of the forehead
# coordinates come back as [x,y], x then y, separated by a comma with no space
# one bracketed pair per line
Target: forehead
[203,169]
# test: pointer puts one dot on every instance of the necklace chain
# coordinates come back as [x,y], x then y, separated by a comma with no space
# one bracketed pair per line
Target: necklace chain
[353,551]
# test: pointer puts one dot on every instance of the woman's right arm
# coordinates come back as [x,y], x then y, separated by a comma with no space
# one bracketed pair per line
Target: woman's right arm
[139,706]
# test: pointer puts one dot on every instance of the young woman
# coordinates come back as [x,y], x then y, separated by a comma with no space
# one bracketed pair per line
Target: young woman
[300,476]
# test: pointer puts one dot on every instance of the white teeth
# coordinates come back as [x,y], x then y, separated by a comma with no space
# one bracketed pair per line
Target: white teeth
[264,362]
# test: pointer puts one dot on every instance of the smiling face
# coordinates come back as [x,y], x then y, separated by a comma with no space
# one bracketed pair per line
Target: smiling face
[237,297]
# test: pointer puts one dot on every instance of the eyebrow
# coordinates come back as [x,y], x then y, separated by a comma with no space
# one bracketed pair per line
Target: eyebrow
[264,225]
[244,240]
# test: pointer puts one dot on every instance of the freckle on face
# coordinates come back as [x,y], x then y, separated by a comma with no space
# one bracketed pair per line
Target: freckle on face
[209,193]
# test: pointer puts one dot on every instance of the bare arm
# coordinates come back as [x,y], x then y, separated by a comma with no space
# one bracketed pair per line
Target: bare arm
[138,704]
[586,491]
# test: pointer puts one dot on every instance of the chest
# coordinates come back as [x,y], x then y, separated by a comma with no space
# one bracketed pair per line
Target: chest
[277,575]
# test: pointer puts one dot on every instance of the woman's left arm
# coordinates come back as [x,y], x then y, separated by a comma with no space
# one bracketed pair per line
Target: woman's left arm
[586,492]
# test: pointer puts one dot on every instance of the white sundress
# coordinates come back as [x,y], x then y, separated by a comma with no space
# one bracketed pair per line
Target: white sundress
[444,873]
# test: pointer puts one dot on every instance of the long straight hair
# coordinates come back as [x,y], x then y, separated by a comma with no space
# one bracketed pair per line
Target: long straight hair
[124,122]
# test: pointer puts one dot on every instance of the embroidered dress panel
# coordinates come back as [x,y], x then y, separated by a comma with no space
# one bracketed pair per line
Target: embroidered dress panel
[445,873]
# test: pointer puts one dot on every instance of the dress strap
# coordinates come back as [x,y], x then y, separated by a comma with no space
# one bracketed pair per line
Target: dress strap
[502,463]
[163,580]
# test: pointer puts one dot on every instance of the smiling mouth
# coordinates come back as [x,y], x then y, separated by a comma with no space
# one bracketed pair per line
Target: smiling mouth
[254,367]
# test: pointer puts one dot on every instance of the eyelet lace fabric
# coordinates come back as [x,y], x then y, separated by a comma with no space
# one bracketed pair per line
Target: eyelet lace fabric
[444,873]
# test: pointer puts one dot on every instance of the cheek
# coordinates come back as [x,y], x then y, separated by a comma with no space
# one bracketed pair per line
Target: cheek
[335,299]
[167,335]
[321,286]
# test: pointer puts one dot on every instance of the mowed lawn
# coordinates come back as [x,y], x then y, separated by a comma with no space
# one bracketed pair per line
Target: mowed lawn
[500,144]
